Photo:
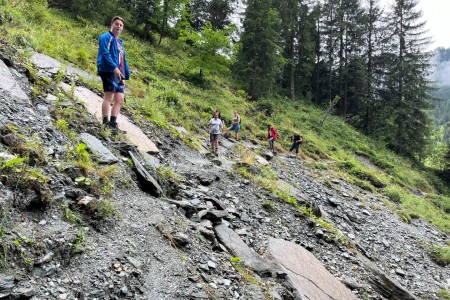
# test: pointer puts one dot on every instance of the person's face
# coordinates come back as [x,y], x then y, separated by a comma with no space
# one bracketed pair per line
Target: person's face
[235,113]
[216,115]
[117,27]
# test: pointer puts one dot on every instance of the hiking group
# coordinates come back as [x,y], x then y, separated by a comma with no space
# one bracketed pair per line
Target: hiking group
[216,125]
[112,67]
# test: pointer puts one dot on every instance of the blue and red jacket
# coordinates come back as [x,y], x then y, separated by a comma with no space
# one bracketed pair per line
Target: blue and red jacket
[108,55]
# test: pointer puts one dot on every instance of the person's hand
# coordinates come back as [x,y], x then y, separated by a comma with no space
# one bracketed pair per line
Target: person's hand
[118,74]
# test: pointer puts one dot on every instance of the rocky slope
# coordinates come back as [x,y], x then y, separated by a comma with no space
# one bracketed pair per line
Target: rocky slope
[170,247]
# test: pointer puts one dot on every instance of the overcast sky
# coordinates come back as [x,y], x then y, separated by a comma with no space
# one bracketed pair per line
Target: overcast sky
[437,15]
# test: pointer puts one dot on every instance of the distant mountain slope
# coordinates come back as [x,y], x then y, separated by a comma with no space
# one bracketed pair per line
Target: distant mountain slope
[441,76]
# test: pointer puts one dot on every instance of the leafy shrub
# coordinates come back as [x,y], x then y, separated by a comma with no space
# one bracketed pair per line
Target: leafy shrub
[264,106]
[393,194]
[404,215]
[440,254]
[440,202]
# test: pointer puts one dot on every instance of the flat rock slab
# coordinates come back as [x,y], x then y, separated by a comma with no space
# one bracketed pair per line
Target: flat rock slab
[237,247]
[384,284]
[72,71]
[261,160]
[9,84]
[102,154]
[93,104]
[45,62]
[149,183]
[306,273]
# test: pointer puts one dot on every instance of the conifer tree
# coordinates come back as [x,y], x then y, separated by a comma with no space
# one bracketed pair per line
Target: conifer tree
[407,83]
[217,12]
[259,60]
[297,40]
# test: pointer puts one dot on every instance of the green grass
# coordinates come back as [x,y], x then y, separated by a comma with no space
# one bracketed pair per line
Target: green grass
[164,93]
[440,254]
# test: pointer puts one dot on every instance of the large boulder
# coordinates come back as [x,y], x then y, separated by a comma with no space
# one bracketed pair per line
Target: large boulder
[305,272]
[237,247]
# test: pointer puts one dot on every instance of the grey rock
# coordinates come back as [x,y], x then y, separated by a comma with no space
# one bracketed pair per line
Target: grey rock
[6,284]
[245,217]
[216,202]
[72,71]
[102,154]
[44,271]
[208,234]
[181,239]
[211,264]
[46,62]
[215,215]
[238,248]
[306,273]
[150,184]
[385,285]
[23,293]
[45,259]
[151,160]
[9,85]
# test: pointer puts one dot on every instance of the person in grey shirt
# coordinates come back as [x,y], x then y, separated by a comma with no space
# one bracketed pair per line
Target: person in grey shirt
[215,126]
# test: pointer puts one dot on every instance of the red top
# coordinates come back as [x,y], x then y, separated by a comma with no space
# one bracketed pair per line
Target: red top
[272,132]
[121,56]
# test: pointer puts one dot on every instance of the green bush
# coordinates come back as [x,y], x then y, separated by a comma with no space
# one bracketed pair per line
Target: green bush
[440,254]
[393,194]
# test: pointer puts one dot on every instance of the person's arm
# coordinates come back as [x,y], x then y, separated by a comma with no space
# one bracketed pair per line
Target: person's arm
[104,44]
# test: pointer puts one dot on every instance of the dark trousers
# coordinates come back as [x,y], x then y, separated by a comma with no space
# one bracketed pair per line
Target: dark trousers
[295,146]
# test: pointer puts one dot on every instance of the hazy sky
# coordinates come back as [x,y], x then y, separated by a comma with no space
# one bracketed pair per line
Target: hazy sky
[437,15]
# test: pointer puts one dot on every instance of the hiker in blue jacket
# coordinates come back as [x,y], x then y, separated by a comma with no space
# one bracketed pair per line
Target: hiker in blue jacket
[112,67]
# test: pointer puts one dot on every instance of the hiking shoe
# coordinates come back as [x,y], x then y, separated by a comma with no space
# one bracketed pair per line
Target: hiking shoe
[115,128]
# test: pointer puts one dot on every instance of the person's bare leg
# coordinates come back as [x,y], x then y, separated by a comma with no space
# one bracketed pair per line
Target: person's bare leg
[118,102]
[106,105]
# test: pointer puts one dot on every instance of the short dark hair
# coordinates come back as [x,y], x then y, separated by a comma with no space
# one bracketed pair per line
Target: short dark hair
[117,18]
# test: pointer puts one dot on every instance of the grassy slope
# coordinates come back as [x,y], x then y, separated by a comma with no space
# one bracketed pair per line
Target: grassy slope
[162,94]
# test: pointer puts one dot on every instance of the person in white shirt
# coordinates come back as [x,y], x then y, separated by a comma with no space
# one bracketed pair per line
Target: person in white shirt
[215,126]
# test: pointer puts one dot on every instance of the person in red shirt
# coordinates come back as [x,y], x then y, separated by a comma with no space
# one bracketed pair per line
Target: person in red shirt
[272,136]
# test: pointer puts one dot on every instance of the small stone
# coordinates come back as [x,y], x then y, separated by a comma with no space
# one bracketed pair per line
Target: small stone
[203,267]
[211,264]
[124,290]
[43,222]
[241,232]
[319,233]
[400,272]
[213,285]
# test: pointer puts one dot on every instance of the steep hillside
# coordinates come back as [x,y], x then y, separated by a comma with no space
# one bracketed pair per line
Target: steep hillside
[347,199]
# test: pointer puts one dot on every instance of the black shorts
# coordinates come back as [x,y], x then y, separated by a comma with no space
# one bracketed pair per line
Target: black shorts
[111,83]
[213,137]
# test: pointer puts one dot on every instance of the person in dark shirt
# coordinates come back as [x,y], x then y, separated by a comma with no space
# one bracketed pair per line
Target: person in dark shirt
[297,139]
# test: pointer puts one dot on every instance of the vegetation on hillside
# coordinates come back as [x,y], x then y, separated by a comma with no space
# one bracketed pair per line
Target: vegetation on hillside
[169,90]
